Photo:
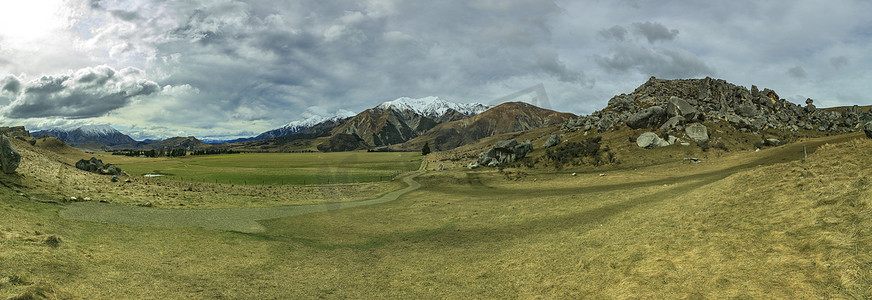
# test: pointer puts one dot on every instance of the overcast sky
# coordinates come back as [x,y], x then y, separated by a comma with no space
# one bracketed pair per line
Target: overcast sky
[230,68]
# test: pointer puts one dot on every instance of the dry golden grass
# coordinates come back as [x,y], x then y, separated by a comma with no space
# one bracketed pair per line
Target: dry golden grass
[47,173]
[739,226]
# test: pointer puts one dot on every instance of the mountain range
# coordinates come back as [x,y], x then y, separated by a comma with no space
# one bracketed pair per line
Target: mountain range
[90,136]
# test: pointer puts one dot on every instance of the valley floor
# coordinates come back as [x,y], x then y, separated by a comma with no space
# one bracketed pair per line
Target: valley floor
[767,224]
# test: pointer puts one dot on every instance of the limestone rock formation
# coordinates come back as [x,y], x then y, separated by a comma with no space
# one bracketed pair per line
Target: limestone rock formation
[697,132]
[552,141]
[95,165]
[9,157]
[650,140]
[868,129]
[503,152]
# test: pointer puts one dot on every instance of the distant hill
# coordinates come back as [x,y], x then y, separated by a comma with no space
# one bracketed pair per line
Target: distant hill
[91,135]
[504,118]
[188,143]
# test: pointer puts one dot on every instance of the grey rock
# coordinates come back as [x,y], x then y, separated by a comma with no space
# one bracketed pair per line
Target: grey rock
[697,132]
[772,142]
[650,140]
[504,152]
[680,107]
[623,102]
[95,165]
[747,110]
[868,129]
[651,116]
[676,122]
[9,157]
[552,141]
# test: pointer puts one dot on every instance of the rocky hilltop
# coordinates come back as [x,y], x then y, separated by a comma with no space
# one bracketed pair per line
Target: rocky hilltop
[669,105]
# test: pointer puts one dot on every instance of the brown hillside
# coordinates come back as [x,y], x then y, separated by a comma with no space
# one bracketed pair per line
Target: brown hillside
[188,143]
[504,118]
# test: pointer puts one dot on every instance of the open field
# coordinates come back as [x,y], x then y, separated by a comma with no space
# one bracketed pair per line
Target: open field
[765,224]
[275,168]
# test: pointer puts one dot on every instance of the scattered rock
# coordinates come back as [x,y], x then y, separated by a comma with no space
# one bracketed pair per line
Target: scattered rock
[504,152]
[552,141]
[573,174]
[9,158]
[772,142]
[650,140]
[95,165]
[697,132]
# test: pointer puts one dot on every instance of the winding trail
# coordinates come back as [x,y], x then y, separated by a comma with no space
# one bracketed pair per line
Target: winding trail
[230,219]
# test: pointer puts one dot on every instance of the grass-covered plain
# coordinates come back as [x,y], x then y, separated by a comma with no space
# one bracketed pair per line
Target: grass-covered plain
[275,168]
[750,225]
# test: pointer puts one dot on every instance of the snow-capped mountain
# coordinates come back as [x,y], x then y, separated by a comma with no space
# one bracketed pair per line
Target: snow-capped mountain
[300,125]
[433,107]
[88,134]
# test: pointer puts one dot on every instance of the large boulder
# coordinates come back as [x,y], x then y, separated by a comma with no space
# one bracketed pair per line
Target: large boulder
[676,122]
[680,107]
[652,116]
[868,129]
[552,141]
[9,158]
[747,110]
[650,140]
[504,152]
[95,165]
[697,132]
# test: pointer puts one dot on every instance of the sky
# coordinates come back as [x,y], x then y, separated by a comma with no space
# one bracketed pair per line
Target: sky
[235,68]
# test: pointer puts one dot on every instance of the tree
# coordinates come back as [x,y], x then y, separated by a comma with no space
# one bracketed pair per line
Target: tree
[426,149]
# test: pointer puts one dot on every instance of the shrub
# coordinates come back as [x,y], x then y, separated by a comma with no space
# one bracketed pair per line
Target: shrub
[574,152]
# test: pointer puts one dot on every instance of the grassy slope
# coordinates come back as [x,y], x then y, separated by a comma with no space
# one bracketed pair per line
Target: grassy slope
[795,229]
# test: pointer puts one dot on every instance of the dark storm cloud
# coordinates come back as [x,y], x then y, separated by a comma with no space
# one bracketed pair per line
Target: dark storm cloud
[89,92]
[660,62]
[653,31]
[618,33]
[797,72]
[352,55]
[10,84]
[839,62]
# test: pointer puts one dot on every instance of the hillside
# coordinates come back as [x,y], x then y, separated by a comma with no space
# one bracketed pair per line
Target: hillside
[187,143]
[504,118]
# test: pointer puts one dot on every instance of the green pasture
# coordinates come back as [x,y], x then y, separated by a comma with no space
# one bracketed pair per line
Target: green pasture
[278,168]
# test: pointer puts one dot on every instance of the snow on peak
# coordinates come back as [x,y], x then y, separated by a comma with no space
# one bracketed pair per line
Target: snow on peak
[317,119]
[97,130]
[432,107]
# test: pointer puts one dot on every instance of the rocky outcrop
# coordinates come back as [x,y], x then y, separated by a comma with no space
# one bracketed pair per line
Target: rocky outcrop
[9,157]
[667,105]
[650,140]
[503,152]
[95,165]
[552,141]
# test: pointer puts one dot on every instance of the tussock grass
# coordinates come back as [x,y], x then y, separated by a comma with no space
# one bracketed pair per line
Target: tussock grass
[758,225]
